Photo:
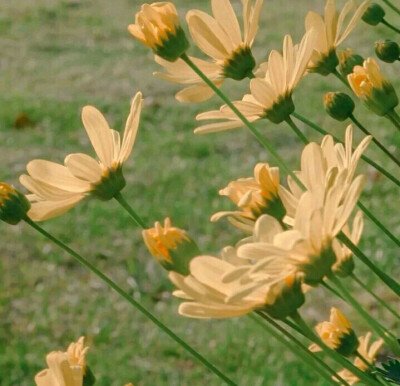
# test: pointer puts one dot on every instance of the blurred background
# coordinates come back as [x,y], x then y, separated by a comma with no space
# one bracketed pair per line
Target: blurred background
[59,55]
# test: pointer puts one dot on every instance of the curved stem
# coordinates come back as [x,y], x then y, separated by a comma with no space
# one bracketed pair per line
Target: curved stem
[303,348]
[392,27]
[332,353]
[299,349]
[392,6]
[341,78]
[279,160]
[131,300]
[391,283]
[381,331]
[376,297]
[394,118]
[136,218]
[365,158]
[298,132]
[377,143]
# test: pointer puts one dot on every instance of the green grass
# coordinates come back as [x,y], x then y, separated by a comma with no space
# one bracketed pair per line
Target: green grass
[60,55]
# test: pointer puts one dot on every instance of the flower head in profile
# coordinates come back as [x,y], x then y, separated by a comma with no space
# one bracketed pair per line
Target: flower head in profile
[57,188]
[66,368]
[373,88]
[220,37]
[13,204]
[271,95]
[337,334]
[368,352]
[157,26]
[171,246]
[254,196]
[331,32]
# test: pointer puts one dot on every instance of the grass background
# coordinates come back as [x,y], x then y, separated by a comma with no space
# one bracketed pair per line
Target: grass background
[58,56]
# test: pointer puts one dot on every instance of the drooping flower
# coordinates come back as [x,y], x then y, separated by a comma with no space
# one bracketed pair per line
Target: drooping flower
[157,26]
[254,196]
[337,334]
[271,96]
[57,188]
[368,353]
[171,246]
[13,204]
[331,33]
[373,88]
[218,36]
[65,368]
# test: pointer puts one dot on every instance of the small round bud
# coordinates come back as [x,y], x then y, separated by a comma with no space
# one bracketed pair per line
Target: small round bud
[374,14]
[13,204]
[338,105]
[347,60]
[387,50]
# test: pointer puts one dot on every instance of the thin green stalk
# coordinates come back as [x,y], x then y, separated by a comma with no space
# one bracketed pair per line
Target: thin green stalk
[298,132]
[394,118]
[303,348]
[371,369]
[330,289]
[378,223]
[390,282]
[136,218]
[391,26]
[131,300]
[381,331]
[332,353]
[376,297]
[341,78]
[365,158]
[377,143]
[392,6]
[279,160]
[298,349]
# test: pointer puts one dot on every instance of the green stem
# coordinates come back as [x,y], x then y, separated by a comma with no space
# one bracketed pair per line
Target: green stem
[381,331]
[392,6]
[378,223]
[279,160]
[332,353]
[394,118]
[392,27]
[330,289]
[131,300]
[391,283]
[302,349]
[376,297]
[136,218]
[340,77]
[365,158]
[377,143]
[298,132]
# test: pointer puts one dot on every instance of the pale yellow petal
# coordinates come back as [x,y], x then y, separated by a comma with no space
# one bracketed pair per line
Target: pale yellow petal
[84,167]
[226,17]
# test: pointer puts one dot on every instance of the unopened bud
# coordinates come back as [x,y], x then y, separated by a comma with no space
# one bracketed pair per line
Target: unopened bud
[347,60]
[338,105]
[374,14]
[387,50]
[13,204]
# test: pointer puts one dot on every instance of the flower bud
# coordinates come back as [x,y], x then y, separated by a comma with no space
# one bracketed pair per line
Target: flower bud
[285,297]
[387,50]
[171,246]
[374,14]
[347,60]
[338,105]
[157,26]
[373,88]
[337,334]
[13,204]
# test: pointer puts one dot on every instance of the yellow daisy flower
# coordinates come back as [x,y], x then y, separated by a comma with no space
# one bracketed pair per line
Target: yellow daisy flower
[271,95]
[57,188]
[330,32]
